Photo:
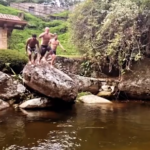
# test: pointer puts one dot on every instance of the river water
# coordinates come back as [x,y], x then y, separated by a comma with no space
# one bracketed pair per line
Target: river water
[117,126]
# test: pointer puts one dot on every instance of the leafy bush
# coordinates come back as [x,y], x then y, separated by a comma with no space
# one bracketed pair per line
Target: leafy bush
[16,59]
[59,29]
[61,15]
[3,3]
[54,23]
[113,32]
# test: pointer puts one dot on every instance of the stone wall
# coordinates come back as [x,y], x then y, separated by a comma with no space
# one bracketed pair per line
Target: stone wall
[3,38]
[37,9]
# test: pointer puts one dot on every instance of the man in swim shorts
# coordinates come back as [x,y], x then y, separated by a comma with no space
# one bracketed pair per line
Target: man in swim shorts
[31,45]
[45,38]
[54,42]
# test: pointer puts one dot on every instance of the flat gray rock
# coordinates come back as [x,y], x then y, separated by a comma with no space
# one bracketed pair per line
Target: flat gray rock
[36,103]
[93,99]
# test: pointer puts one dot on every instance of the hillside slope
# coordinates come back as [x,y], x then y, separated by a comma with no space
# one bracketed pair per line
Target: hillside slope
[36,26]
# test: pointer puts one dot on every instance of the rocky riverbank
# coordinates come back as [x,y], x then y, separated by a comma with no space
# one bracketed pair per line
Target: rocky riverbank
[44,87]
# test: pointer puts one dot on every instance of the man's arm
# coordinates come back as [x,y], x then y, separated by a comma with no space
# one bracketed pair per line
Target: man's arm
[38,45]
[52,35]
[50,41]
[41,35]
[61,46]
[27,43]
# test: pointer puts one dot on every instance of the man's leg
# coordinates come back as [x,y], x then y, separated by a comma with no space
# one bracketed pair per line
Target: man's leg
[41,54]
[46,54]
[38,58]
[44,57]
[53,59]
[35,57]
[29,56]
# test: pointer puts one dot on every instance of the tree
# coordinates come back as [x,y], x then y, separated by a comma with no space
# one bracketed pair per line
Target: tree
[113,32]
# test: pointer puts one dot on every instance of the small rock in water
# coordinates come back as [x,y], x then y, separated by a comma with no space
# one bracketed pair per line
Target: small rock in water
[104,93]
[92,99]
[36,103]
[3,105]
[12,101]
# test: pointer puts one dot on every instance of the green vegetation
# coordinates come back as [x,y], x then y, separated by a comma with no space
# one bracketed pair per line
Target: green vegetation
[36,26]
[113,32]
[80,95]
[62,15]
[16,59]
[7,2]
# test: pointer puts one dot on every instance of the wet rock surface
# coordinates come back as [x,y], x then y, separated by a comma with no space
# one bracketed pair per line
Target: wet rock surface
[3,105]
[136,83]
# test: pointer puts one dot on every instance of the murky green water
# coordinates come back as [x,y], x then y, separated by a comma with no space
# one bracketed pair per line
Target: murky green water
[121,126]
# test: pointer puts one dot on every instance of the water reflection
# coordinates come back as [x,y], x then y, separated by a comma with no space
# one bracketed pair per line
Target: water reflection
[117,126]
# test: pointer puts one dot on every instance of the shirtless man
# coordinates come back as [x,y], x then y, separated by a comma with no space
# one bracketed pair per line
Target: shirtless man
[31,48]
[54,43]
[46,37]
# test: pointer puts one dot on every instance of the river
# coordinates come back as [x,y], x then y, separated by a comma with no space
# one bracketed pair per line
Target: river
[117,126]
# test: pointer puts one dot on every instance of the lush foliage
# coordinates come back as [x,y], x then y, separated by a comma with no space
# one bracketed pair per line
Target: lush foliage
[36,26]
[16,60]
[113,32]
[62,15]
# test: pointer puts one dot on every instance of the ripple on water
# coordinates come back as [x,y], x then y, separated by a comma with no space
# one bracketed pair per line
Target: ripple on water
[2,137]
[57,140]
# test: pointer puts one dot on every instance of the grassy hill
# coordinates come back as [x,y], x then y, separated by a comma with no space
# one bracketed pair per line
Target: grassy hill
[36,26]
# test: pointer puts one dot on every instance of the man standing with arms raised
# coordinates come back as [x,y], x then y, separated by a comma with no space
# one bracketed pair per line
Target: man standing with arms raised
[45,38]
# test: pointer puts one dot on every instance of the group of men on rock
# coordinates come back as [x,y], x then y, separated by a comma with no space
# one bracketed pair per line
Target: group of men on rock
[49,43]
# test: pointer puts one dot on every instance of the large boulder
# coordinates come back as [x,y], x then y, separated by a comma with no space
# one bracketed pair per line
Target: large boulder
[136,83]
[86,84]
[3,105]
[9,88]
[94,85]
[50,82]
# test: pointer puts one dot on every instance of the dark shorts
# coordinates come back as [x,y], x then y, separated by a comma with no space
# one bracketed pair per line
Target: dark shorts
[32,49]
[52,52]
[44,49]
